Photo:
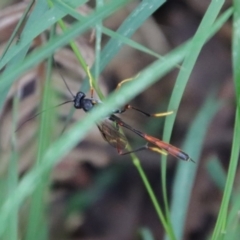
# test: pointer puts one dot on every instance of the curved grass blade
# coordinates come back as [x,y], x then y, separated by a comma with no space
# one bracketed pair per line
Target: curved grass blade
[233,230]
[220,227]
[12,178]
[196,45]
[217,172]
[37,214]
[185,175]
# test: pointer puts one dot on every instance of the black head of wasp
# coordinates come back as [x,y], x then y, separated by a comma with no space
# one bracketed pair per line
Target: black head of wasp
[111,132]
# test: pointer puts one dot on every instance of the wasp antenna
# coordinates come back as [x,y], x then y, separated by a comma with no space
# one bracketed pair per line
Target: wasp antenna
[37,114]
[68,101]
[63,78]
[191,160]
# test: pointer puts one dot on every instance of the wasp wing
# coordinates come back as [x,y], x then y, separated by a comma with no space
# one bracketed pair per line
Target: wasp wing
[111,134]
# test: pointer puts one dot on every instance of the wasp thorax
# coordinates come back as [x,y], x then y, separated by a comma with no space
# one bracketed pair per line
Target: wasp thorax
[87,104]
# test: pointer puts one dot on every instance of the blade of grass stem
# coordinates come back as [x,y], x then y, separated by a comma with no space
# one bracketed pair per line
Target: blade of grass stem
[37,214]
[12,230]
[130,42]
[236,48]
[233,230]
[185,175]
[197,42]
[220,226]
[217,172]
[153,198]
[99,28]
[145,234]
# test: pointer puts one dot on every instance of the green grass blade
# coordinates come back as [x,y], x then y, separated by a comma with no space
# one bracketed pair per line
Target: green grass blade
[216,172]
[37,219]
[185,175]
[99,28]
[131,43]
[236,48]
[233,230]
[194,49]
[220,227]
[145,234]
[193,52]
[12,230]
[153,198]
